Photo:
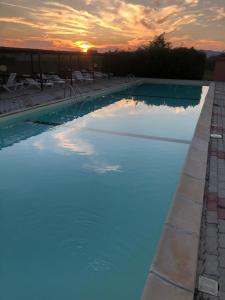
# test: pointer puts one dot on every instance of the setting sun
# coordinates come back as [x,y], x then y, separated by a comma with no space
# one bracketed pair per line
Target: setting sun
[84,47]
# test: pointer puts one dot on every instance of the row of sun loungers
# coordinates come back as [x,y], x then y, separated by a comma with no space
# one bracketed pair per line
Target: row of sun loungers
[50,80]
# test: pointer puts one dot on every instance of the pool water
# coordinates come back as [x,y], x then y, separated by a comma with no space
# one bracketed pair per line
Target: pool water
[85,189]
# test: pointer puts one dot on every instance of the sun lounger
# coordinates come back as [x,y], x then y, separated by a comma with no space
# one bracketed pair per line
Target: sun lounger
[11,84]
[87,76]
[79,77]
[35,83]
[100,75]
[56,79]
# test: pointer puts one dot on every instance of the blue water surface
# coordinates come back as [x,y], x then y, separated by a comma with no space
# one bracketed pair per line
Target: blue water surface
[81,210]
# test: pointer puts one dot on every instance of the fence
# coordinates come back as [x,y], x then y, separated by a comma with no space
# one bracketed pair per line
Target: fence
[31,62]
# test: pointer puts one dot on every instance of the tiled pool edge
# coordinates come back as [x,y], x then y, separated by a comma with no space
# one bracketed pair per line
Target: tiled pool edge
[173,272]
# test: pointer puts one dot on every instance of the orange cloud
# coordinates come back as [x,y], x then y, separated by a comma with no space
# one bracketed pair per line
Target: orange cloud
[108,24]
[199,44]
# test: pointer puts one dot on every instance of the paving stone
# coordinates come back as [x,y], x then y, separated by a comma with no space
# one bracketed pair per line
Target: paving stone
[221,295]
[201,267]
[222,226]
[202,249]
[212,217]
[212,206]
[221,202]
[221,238]
[209,297]
[221,257]
[212,245]
[221,192]
[221,213]
[222,279]
[212,230]
[212,196]
[213,188]
[211,265]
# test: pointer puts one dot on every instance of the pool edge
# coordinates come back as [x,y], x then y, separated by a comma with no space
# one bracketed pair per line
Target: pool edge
[172,274]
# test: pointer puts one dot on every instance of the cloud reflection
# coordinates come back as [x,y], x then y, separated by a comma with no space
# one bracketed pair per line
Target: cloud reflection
[102,168]
[65,139]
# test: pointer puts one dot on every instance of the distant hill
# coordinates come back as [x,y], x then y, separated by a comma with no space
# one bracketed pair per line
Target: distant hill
[211,53]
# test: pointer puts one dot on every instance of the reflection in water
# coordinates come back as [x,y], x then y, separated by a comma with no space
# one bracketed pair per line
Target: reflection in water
[81,210]
[154,99]
[102,168]
[67,140]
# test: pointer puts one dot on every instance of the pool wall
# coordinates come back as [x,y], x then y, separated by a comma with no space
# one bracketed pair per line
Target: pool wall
[172,274]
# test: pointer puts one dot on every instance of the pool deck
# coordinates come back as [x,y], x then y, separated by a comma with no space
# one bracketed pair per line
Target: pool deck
[211,262]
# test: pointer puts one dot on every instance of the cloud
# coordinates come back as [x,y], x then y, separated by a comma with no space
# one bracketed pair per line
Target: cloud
[101,23]
[212,44]
[16,5]
[219,14]
[192,2]
[18,20]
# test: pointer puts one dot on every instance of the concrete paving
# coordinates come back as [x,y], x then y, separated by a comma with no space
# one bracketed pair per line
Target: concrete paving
[211,261]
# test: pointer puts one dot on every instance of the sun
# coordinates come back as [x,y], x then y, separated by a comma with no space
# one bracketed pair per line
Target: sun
[84,47]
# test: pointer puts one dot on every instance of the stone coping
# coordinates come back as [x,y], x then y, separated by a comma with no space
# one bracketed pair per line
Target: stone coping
[172,274]
[177,81]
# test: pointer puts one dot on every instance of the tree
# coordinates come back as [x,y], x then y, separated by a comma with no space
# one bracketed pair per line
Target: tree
[157,59]
[160,42]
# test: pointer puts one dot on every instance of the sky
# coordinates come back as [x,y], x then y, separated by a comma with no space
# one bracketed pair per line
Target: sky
[111,24]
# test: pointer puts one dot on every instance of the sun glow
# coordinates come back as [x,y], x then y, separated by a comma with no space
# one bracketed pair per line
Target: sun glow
[84,46]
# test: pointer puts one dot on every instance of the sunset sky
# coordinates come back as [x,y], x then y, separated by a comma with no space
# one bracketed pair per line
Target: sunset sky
[111,24]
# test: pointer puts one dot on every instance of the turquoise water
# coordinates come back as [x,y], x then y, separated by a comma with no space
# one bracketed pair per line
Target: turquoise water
[84,195]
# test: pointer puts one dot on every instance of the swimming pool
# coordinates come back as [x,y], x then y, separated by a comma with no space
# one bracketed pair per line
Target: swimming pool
[85,190]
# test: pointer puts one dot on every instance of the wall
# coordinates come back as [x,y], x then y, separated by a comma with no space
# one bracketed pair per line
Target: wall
[219,71]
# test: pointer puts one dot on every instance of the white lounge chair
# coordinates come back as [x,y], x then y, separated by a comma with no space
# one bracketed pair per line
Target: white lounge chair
[100,75]
[79,77]
[45,78]
[11,84]
[56,79]
[35,83]
[87,76]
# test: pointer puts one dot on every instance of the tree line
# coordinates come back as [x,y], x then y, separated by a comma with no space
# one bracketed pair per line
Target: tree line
[157,59]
